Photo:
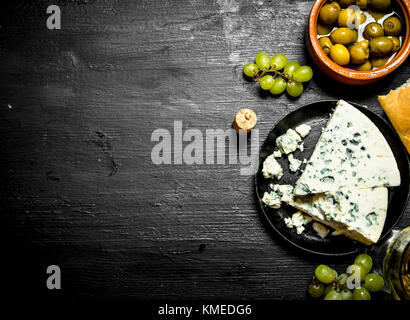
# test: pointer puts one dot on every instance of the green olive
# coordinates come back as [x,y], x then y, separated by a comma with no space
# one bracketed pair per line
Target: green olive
[378,62]
[346,3]
[363,18]
[373,30]
[365,66]
[392,26]
[323,29]
[340,54]
[396,43]
[380,4]
[329,13]
[336,4]
[358,54]
[347,18]
[362,4]
[343,36]
[381,46]
[355,35]
[376,15]
[326,44]
[364,43]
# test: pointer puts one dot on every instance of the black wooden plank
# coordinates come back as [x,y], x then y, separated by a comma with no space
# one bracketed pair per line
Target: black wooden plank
[79,188]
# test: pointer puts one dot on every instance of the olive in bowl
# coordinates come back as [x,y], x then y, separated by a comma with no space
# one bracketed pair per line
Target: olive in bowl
[392,26]
[360,49]
[373,30]
[329,13]
[381,46]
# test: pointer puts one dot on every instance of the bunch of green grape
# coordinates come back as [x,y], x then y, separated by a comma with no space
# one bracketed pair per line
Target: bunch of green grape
[328,284]
[287,75]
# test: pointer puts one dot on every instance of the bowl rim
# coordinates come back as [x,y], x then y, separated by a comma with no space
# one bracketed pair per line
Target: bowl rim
[378,73]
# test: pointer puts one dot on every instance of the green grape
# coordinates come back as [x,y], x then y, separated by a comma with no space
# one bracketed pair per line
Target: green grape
[295,89]
[324,273]
[364,260]
[250,69]
[342,279]
[266,82]
[278,61]
[316,290]
[361,294]
[358,269]
[373,282]
[303,74]
[262,60]
[333,295]
[279,86]
[329,288]
[290,68]
[347,294]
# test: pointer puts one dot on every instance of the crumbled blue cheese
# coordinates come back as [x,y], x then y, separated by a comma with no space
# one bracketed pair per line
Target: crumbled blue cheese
[303,130]
[294,164]
[298,221]
[272,199]
[288,142]
[288,222]
[320,229]
[285,191]
[301,147]
[271,168]
[277,154]
[279,193]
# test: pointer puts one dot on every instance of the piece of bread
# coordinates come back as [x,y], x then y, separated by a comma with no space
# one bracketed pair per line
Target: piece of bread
[396,104]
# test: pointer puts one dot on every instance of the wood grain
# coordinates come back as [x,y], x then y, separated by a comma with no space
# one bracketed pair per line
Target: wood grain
[79,188]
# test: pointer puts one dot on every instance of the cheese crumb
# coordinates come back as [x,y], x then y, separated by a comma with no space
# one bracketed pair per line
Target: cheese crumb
[288,142]
[294,164]
[272,199]
[320,229]
[303,130]
[277,154]
[271,168]
[298,221]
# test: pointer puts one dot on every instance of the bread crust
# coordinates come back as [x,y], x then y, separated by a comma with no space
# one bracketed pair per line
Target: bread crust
[396,104]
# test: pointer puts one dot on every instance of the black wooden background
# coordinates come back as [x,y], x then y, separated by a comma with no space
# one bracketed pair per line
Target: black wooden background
[78,187]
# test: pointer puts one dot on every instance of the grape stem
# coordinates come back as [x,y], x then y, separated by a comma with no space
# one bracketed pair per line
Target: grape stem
[259,76]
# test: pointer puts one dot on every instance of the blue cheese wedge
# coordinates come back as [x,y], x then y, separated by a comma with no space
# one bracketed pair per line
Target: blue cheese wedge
[288,142]
[363,212]
[351,152]
[271,168]
[294,164]
[303,130]
[348,211]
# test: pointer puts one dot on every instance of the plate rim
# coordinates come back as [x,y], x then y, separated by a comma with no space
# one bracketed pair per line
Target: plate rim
[400,216]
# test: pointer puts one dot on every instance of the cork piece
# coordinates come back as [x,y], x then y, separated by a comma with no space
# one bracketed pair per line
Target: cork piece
[245,119]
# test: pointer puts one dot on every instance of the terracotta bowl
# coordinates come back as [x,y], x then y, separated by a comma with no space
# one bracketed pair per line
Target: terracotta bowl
[346,75]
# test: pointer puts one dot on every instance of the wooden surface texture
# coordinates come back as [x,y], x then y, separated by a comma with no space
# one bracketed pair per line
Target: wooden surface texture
[78,187]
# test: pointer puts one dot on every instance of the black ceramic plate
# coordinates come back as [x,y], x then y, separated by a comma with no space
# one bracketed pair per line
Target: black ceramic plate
[317,115]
